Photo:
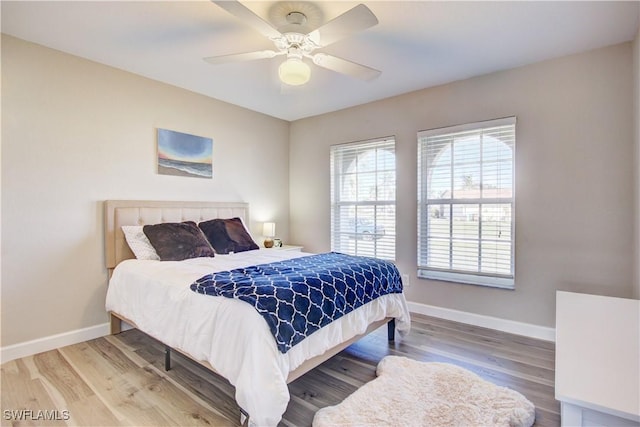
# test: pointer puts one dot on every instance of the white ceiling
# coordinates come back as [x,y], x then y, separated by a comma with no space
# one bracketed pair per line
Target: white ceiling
[417,44]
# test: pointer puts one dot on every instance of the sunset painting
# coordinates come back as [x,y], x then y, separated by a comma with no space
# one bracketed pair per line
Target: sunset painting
[181,154]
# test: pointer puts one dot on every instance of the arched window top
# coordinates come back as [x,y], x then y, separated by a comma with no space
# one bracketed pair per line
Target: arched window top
[370,175]
[470,166]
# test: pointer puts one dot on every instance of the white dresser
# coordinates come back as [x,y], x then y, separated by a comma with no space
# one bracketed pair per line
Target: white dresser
[597,360]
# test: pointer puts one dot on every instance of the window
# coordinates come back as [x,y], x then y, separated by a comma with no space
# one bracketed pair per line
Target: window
[363,198]
[466,203]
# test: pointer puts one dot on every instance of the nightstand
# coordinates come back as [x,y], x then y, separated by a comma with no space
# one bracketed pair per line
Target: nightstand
[292,248]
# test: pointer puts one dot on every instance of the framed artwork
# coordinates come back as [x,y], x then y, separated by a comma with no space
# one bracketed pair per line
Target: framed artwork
[181,154]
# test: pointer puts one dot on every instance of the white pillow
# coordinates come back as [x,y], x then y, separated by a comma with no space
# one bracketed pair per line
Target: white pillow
[139,242]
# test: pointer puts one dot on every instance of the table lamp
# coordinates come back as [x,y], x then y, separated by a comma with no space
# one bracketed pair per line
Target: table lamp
[268,231]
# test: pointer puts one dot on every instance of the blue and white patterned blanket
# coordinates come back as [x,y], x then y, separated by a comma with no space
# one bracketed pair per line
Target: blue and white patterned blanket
[299,296]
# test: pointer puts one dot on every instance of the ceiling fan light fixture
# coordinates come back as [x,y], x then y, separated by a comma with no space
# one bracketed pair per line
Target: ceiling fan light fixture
[294,72]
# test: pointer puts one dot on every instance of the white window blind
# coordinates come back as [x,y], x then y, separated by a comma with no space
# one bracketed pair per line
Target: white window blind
[363,198]
[466,203]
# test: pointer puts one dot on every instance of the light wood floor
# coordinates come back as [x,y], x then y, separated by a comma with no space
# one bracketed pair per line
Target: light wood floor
[120,380]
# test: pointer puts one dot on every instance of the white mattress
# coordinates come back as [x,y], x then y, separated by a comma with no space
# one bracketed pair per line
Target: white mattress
[228,333]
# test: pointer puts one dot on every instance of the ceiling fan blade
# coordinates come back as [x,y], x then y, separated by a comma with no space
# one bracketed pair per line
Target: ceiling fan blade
[247,16]
[357,19]
[343,66]
[240,57]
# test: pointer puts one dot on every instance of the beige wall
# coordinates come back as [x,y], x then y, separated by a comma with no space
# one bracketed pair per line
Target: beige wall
[75,133]
[636,114]
[574,177]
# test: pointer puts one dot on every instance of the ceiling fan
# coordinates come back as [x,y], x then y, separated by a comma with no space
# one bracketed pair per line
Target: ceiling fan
[297,41]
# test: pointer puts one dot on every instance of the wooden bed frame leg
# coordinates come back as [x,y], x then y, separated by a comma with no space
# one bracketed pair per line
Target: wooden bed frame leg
[115,325]
[391,330]
[167,358]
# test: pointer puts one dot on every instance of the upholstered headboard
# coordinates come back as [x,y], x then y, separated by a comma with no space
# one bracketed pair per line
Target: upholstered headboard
[141,212]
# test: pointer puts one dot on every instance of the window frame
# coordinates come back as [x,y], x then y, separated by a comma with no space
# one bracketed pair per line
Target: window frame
[336,204]
[505,281]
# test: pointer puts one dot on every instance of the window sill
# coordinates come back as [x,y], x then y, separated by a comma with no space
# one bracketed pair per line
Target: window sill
[468,279]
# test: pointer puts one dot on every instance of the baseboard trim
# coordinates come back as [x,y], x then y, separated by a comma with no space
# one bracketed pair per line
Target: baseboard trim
[504,325]
[39,345]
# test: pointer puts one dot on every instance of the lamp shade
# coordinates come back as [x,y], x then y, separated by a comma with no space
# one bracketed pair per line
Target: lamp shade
[294,72]
[269,229]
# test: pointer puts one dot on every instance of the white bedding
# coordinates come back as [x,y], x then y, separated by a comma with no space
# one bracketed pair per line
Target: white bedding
[228,333]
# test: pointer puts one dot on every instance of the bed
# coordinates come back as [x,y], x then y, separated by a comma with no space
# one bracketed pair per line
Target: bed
[225,335]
